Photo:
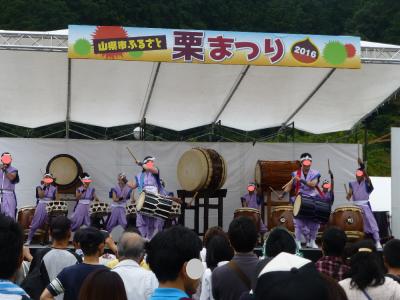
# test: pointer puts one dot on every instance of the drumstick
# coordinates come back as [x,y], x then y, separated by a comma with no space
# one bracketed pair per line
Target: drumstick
[345,188]
[194,197]
[133,156]
[276,194]
[329,165]
[291,180]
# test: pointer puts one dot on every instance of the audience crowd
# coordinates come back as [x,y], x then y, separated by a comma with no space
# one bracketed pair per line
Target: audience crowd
[176,264]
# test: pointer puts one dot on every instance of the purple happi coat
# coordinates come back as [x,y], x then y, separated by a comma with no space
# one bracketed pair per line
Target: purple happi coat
[307,228]
[7,193]
[254,201]
[361,192]
[40,217]
[81,212]
[118,213]
[148,226]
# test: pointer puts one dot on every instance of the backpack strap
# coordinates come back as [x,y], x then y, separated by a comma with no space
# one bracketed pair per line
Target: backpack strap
[240,273]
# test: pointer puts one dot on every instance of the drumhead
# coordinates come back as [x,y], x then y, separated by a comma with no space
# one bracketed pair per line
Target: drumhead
[192,170]
[248,209]
[140,201]
[64,168]
[297,205]
[347,208]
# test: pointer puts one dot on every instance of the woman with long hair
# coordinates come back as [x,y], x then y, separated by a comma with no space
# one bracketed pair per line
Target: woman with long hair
[366,278]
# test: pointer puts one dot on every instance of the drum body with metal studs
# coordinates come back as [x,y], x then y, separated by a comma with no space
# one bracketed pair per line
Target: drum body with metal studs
[57,208]
[311,208]
[201,169]
[252,213]
[157,206]
[282,216]
[99,210]
[349,219]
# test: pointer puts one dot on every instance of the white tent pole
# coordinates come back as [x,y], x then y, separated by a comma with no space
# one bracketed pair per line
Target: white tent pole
[314,91]
[232,92]
[150,88]
[68,116]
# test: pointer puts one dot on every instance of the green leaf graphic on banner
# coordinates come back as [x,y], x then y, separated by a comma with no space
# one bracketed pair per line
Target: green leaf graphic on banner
[136,54]
[82,47]
[335,53]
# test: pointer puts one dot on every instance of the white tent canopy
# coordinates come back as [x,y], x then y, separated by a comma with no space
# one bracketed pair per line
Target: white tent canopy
[41,86]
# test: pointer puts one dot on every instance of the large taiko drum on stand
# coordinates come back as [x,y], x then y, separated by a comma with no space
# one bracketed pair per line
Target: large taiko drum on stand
[282,216]
[66,169]
[201,169]
[274,174]
[349,219]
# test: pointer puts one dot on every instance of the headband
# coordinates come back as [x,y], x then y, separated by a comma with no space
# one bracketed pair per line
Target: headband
[307,157]
[86,179]
[145,161]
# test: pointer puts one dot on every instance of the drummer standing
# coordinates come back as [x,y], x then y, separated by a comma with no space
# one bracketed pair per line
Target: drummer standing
[8,179]
[45,193]
[305,181]
[121,193]
[360,191]
[253,200]
[84,195]
[148,181]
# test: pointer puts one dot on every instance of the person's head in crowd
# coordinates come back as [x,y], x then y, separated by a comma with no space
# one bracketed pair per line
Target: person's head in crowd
[131,246]
[391,256]
[92,242]
[11,247]
[211,232]
[333,242]
[219,249]
[168,255]
[336,292]
[290,277]
[103,284]
[365,266]
[60,229]
[242,234]
[279,240]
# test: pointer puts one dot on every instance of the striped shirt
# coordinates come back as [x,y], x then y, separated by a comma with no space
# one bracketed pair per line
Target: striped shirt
[11,291]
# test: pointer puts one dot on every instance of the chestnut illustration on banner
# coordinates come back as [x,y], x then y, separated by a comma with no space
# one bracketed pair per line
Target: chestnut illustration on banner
[305,51]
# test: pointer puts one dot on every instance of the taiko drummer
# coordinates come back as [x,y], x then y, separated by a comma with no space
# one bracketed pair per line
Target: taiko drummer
[8,179]
[120,195]
[84,195]
[360,189]
[253,199]
[305,181]
[148,180]
[45,193]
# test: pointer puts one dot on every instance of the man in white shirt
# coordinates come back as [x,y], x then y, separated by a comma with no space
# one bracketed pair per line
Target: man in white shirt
[139,283]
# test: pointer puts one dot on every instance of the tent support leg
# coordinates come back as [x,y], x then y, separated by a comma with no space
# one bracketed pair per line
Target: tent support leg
[68,117]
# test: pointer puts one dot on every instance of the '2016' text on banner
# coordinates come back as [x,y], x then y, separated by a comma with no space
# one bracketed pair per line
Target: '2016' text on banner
[213,47]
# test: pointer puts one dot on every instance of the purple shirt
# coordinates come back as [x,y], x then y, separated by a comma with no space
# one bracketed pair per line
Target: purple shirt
[50,192]
[124,192]
[361,191]
[88,194]
[148,180]
[5,183]
[251,200]
[305,189]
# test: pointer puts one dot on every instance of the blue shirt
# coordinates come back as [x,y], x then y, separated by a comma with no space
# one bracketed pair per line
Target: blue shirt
[11,290]
[168,293]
